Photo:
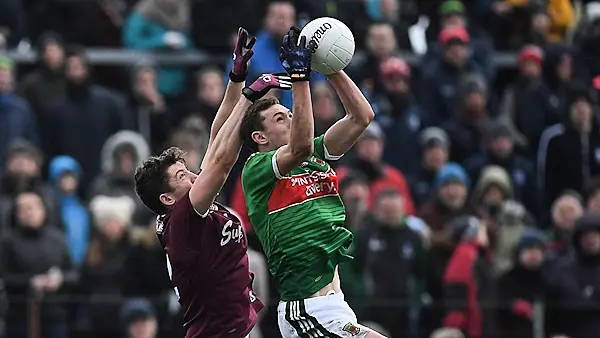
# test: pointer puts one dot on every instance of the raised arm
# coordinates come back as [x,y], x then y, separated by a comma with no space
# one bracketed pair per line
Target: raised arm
[295,59]
[223,153]
[241,57]
[340,137]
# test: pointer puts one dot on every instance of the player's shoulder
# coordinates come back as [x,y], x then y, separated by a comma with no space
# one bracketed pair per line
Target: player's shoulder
[257,156]
[257,161]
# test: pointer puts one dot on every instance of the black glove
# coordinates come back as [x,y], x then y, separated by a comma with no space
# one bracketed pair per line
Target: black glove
[241,56]
[295,57]
[264,83]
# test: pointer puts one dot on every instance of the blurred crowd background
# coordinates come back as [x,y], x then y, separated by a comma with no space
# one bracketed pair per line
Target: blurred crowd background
[474,197]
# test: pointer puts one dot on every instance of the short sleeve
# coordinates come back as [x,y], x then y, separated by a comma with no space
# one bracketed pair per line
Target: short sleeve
[320,150]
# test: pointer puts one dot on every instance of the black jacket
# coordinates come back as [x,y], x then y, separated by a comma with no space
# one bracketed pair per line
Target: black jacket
[573,299]
[26,253]
[566,160]
[392,261]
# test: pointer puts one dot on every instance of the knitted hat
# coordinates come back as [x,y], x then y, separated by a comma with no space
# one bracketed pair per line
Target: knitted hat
[531,53]
[434,136]
[6,62]
[454,35]
[105,208]
[452,172]
[451,7]
[531,238]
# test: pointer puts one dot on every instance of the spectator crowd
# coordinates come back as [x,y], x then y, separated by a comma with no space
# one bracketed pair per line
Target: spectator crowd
[474,196]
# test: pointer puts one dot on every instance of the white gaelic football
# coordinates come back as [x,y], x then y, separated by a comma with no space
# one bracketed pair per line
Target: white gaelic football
[335,44]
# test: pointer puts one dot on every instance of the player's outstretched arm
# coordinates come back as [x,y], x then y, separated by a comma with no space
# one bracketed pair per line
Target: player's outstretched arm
[340,137]
[241,58]
[295,59]
[226,147]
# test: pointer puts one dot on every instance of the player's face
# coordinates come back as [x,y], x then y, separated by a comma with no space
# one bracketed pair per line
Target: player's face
[277,122]
[180,181]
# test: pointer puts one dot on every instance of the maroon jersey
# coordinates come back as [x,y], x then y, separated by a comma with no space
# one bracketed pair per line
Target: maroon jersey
[208,265]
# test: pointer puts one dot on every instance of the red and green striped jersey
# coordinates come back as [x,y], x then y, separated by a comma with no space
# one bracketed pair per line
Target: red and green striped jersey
[299,219]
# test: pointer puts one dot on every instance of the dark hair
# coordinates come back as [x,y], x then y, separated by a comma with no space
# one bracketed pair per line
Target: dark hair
[252,120]
[152,180]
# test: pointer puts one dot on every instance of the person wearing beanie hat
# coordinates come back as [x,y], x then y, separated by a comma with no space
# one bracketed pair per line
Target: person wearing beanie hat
[468,284]
[560,163]
[575,284]
[468,129]
[434,155]
[448,199]
[138,319]
[523,287]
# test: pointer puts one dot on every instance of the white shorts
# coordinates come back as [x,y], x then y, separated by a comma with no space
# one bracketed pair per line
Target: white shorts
[326,316]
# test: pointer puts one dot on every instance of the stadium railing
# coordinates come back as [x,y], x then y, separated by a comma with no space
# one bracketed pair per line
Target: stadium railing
[125,57]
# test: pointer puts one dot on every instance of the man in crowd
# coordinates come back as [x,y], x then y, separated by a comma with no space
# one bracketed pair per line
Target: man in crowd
[84,119]
[569,154]
[17,121]
[573,301]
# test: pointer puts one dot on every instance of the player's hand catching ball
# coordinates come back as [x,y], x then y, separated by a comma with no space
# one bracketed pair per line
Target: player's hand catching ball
[295,55]
[241,55]
[264,83]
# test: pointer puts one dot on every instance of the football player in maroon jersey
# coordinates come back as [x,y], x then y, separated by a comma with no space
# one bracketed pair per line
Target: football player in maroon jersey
[205,244]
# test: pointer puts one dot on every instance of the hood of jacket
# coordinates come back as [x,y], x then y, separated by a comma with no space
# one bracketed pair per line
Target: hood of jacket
[122,138]
[61,165]
[494,175]
[587,222]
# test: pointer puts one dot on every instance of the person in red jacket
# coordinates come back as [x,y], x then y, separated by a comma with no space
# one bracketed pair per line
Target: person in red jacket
[381,176]
[469,291]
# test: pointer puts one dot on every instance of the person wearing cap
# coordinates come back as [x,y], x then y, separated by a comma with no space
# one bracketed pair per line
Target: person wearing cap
[441,77]
[47,82]
[501,152]
[380,175]
[398,114]
[434,146]
[575,285]
[569,153]
[469,291]
[523,287]
[17,121]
